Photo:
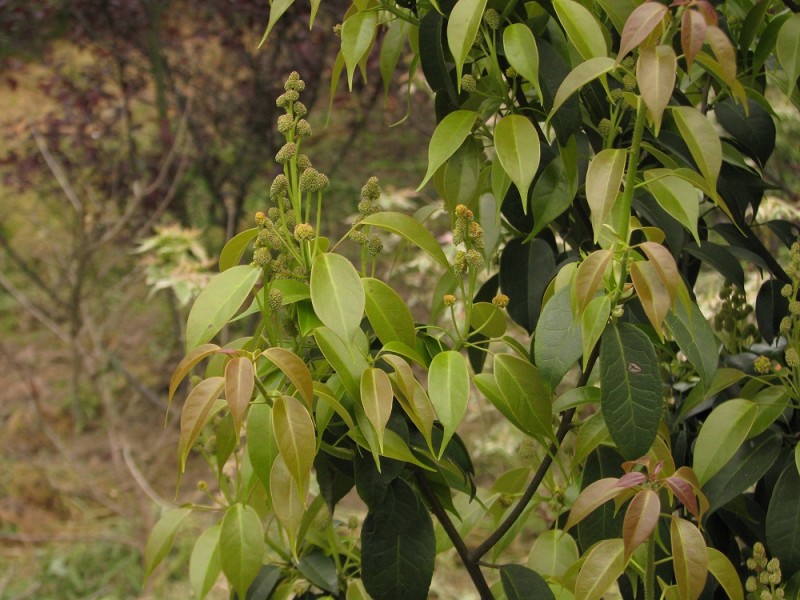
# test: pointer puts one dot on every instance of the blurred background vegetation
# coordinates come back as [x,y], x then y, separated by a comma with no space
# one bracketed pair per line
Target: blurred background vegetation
[136,136]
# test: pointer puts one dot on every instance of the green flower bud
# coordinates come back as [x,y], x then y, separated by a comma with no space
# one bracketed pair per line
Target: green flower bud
[786,291]
[628,62]
[460,263]
[261,218]
[476,234]
[275,299]
[300,109]
[303,129]
[278,189]
[762,365]
[751,564]
[294,82]
[261,257]
[291,96]
[617,94]
[794,307]
[629,81]
[290,219]
[474,260]
[310,180]
[604,127]
[786,325]
[765,595]
[462,212]
[492,18]
[774,565]
[459,232]
[371,190]
[478,38]
[303,232]
[358,236]
[468,83]
[763,578]
[337,30]
[792,359]
[374,244]
[751,585]
[274,214]
[758,548]
[303,162]
[285,123]
[286,153]
[511,72]
[352,522]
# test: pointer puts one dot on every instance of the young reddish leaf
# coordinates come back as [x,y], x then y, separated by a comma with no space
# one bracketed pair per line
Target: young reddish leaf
[604,563]
[603,178]
[708,11]
[687,474]
[239,384]
[652,293]
[724,572]
[655,73]
[195,413]
[643,20]
[664,264]
[294,434]
[641,519]
[689,558]
[377,399]
[187,364]
[693,34]
[684,492]
[295,370]
[723,50]
[590,276]
[631,479]
[595,494]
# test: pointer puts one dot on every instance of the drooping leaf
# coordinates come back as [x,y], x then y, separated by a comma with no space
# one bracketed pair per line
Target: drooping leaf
[161,537]
[391,50]
[387,313]
[604,563]
[655,74]
[288,500]
[187,364]
[276,10]
[557,343]
[783,520]
[651,291]
[196,412]
[676,196]
[204,563]
[696,339]
[448,388]
[693,34]
[517,147]
[218,302]
[376,398]
[239,387]
[631,397]
[725,573]
[589,278]
[295,370]
[552,553]
[526,393]
[398,546]
[720,258]
[358,34]
[522,54]
[241,546]
[553,193]
[581,75]
[234,249]
[787,48]
[641,519]
[337,294]
[724,51]
[771,307]
[295,437]
[754,130]
[722,433]
[522,583]
[689,557]
[640,24]
[593,323]
[582,29]
[261,445]
[603,178]
[410,229]
[702,141]
[462,27]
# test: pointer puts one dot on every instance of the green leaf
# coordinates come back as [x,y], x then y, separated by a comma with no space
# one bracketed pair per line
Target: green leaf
[603,178]
[448,136]
[783,520]
[557,344]
[410,229]
[391,50]
[676,196]
[656,70]
[722,433]
[448,388]
[262,447]
[487,319]
[582,29]
[640,24]
[593,323]
[695,338]
[161,537]
[592,433]
[589,277]
[295,369]
[337,294]
[580,76]
[689,558]
[377,399]
[196,412]
[218,302]
[241,546]
[288,500]
[398,546]
[604,563]
[458,181]
[234,249]
[771,402]
[204,563]
[517,145]
[522,54]
[576,397]
[320,570]
[653,294]
[358,34]
[724,52]
[552,553]
[522,583]
[239,385]
[462,27]
[295,437]
[344,357]
[723,571]
[276,10]
[526,393]
[630,389]
[702,140]
[641,519]
[553,193]
[787,48]
[388,313]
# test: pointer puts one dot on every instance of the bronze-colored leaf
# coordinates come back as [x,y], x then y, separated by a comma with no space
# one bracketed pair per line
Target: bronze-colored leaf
[640,24]
[693,34]
[641,519]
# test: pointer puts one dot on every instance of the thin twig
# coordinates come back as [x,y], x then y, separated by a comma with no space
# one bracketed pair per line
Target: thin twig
[57,170]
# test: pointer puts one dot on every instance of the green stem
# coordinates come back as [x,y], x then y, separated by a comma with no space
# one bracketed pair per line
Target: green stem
[650,569]
[630,175]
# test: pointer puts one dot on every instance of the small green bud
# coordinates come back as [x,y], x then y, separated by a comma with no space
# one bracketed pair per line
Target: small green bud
[794,307]
[762,365]
[300,109]
[352,523]
[274,213]
[629,81]
[303,162]
[786,291]
[278,189]
[290,219]
[604,127]
[286,153]
[492,18]
[468,83]
[462,212]
[374,244]
[792,359]
[275,299]
[303,129]
[460,263]
[285,123]
[291,96]
[786,325]
[367,207]
[763,578]
[261,257]
[751,585]
[628,62]
[474,260]
[371,190]
[337,30]
[751,564]
[511,72]
[202,485]
[617,94]
[294,83]
[765,595]
[310,180]
[358,236]
[303,232]
[478,38]
[458,232]
[774,565]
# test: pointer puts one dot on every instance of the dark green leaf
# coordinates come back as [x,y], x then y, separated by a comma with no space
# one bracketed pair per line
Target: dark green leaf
[630,389]
[771,307]
[552,72]
[398,546]
[320,570]
[604,522]
[335,478]
[720,258]
[264,584]
[521,583]
[553,193]
[431,53]
[557,344]
[525,271]
[695,338]
[754,132]
[783,520]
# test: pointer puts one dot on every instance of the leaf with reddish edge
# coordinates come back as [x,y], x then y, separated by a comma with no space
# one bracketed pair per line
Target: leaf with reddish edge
[693,34]
[187,364]
[641,519]
[684,492]
[724,51]
[664,264]
[687,474]
[652,293]
[195,414]
[295,370]
[239,385]
[708,11]
[689,558]
[590,276]
[631,479]
[595,494]
[656,72]
[640,24]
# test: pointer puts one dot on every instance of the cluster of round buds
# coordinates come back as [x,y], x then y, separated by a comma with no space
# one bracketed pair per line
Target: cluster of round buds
[628,62]
[286,153]
[337,30]
[629,81]
[468,83]
[792,357]
[286,99]
[303,232]
[617,94]
[734,311]
[303,162]
[261,256]
[358,236]
[374,244]
[764,583]
[275,299]
[466,229]
[312,180]
[293,82]
[300,109]
[762,365]
[285,123]
[370,194]
[303,129]
[492,18]
[500,300]
[478,38]
[279,188]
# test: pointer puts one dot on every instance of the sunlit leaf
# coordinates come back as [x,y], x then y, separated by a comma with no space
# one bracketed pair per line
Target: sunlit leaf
[640,24]
[603,179]
[787,48]
[376,398]
[276,10]
[239,387]
[234,249]
[552,553]
[582,29]
[337,294]
[702,140]
[521,52]
[387,313]
[161,537]
[641,519]
[725,573]
[196,412]
[722,433]
[590,276]
[204,563]
[693,34]
[603,564]
[410,229]
[593,496]
[676,196]
[689,558]
[295,369]
[288,500]
[655,74]
[652,292]
[593,323]
[188,363]
[526,393]
[462,27]
[358,34]
[518,149]
[448,388]
[295,436]
[724,51]
[241,546]
[580,76]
